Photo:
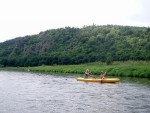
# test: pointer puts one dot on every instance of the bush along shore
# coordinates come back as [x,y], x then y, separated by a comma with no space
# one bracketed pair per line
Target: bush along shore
[117,69]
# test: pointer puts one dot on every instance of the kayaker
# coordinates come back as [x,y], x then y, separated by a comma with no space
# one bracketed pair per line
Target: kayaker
[87,73]
[102,75]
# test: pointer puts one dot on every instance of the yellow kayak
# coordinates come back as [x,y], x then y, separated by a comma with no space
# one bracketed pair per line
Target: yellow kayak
[105,80]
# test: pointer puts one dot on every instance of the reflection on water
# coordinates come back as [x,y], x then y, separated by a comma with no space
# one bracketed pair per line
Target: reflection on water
[22,92]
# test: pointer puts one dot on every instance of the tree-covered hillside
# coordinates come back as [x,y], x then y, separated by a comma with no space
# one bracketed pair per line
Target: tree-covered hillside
[77,45]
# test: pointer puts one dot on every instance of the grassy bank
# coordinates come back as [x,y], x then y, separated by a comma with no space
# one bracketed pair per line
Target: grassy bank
[123,69]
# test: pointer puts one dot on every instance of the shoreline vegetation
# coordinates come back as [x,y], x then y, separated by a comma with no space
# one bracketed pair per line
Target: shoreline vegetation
[117,69]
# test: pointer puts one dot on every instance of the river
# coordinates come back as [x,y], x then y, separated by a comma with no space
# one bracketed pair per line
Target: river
[27,92]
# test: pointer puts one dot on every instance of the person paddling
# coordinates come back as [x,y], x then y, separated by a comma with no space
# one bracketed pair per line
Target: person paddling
[102,75]
[87,73]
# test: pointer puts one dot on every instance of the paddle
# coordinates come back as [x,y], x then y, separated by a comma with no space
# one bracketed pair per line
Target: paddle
[91,75]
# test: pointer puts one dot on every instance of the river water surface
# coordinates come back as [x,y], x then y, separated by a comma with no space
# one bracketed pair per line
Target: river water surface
[26,92]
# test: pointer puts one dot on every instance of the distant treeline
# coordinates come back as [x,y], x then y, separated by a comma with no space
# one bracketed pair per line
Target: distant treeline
[78,45]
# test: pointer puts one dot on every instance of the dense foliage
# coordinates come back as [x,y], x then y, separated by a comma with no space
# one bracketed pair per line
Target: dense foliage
[78,45]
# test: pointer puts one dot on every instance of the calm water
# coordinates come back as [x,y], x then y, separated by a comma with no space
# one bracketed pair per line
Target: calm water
[25,92]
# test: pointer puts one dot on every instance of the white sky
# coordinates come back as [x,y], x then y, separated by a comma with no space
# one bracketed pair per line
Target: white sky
[28,17]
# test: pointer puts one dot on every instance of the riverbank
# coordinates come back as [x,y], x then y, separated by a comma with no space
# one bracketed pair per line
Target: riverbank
[122,69]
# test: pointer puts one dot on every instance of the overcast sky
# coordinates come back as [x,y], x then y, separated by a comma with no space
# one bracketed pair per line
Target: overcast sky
[28,17]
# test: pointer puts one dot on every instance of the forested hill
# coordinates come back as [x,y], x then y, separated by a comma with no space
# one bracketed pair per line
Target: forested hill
[78,45]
